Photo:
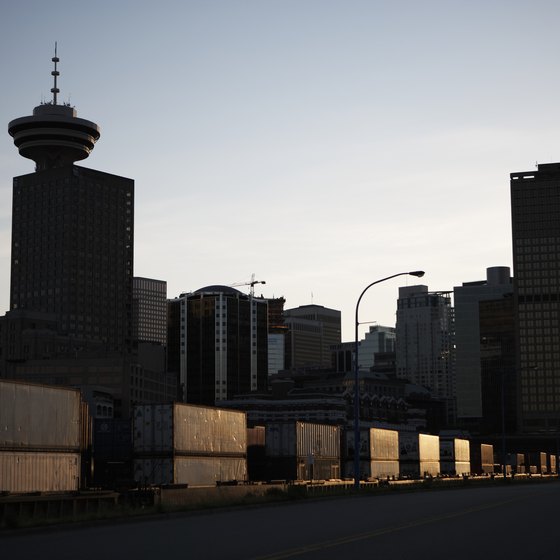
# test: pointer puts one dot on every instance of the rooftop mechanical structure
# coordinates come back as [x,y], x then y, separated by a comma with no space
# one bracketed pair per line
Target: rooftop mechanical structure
[54,136]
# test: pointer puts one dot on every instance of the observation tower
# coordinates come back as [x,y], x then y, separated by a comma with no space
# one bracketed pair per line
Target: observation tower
[54,136]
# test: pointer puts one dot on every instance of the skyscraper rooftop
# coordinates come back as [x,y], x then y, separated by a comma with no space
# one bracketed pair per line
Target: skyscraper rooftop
[54,136]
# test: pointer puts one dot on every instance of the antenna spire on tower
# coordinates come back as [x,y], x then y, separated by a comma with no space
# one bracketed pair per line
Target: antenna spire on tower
[55,73]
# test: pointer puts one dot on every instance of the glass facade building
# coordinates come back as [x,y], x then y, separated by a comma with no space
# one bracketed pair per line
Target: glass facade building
[218,344]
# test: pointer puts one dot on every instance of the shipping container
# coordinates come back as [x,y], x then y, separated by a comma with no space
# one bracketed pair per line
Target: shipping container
[482,458]
[256,436]
[302,439]
[418,454]
[40,418]
[188,444]
[454,456]
[194,471]
[176,428]
[384,444]
[28,471]
[302,451]
[552,461]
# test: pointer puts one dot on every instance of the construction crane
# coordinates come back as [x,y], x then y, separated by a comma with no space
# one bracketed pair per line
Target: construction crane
[251,283]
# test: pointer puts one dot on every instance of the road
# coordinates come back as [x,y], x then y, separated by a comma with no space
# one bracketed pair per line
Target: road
[512,521]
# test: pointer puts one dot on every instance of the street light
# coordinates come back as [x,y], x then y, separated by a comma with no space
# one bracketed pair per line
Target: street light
[419,274]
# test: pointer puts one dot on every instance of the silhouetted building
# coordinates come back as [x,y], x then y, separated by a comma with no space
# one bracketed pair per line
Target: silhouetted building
[377,339]
[342,357]
[218,344]
[467,299]
[312,330]
[535,216]
[425,342]
[150,381]
[497,365]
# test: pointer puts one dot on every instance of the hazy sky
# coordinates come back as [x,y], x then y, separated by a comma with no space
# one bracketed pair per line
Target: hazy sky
[318,144]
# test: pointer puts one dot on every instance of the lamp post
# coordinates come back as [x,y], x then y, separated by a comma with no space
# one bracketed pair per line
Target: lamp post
[419,274]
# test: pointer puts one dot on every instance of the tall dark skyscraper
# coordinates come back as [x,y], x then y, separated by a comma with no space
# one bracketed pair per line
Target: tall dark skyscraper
[72,230]
[218,344]
[72,248]
[535,214]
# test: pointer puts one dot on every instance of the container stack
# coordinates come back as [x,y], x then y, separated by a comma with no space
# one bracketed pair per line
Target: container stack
[419,455]
[302,451]
[455,456]
[187,444]
[41,438]
[379,453]
[384,453]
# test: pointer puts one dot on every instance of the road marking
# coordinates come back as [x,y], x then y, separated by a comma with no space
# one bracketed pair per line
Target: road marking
[378,532]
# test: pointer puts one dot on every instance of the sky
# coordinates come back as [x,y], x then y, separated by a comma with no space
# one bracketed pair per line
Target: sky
[320,145]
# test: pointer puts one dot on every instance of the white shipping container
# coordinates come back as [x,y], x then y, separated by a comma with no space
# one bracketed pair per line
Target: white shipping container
[302,439]
[22,472]
[210,430]
[384,469]
[170,428]
[428,448]
[462,467]
[429,468]
[384,445]
[462,450]
[38,417]
[194,471]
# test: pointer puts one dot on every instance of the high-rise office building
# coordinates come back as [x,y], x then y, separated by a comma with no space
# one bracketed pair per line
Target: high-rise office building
[312,330]
[72,250]
[72,230]
[425,342]
[535,216]
[377,339]
[218,344]
[149,310]
[498,382]
[276,335]
[467,300]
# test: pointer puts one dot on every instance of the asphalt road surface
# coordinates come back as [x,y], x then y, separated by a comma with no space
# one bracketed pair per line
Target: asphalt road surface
[509,522]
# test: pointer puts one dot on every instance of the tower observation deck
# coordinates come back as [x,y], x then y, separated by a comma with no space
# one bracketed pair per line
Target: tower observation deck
[54,136]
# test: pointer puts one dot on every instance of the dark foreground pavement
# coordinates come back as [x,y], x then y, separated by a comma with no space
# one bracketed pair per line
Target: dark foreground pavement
[511,521]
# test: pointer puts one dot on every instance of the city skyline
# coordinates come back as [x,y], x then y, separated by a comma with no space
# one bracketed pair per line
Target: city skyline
[320,146]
